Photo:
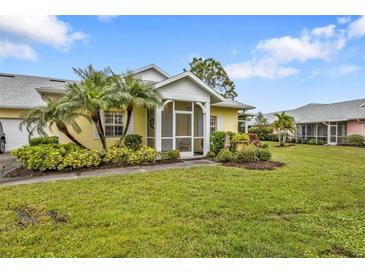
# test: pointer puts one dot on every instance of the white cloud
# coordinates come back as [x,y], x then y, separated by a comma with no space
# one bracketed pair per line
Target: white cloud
[106,18]
[265,68]
[18,51]
[320,43]
[271,56]
[344,20]
[341,70]
[43,29]
[347,69]
[234,52]
[327,31]
[357,28]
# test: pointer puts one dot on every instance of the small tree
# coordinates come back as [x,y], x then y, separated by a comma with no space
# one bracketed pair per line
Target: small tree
[212,73]
[283,125]
[39,118]
[91,95]
[127,93]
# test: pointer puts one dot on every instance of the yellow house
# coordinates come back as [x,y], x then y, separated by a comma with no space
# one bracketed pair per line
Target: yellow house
[190,112]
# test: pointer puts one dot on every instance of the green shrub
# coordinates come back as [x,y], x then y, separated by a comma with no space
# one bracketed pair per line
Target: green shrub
[217,141]
[143,155]
[225,155]
[210,154]
[44,157]
[173,154]
[355,140]
[43,140]
[83,158]
[247,154]
[117,155]
[263,132]
[133,141]
[263,145]
[263,154]
[312,142]
[170,155]
[240,137]
[320,142]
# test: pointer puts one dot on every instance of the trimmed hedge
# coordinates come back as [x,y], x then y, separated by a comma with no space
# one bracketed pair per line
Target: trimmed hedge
[355,140]
[56,157]
[170,155]
[43,140]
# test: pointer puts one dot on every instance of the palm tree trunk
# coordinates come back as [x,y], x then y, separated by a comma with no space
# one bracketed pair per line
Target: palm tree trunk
[65,131]
[96,117]
[129,116]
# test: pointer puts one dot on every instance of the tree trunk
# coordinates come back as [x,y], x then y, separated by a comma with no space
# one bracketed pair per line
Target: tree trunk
[96,117]
[129,115]
[65,131]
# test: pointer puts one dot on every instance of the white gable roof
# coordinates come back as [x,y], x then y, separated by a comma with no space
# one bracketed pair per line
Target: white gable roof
[216,97]
[150,73]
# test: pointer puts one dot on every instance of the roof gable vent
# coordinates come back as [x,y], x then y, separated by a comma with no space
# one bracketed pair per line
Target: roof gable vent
[57,81]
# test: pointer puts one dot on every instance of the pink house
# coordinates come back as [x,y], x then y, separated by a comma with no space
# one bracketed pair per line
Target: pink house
[330,123]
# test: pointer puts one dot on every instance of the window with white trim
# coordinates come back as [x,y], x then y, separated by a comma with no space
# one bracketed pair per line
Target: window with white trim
[213,124]
[113,124]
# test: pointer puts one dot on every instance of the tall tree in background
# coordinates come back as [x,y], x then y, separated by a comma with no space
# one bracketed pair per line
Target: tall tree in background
[212,73]
[260,120]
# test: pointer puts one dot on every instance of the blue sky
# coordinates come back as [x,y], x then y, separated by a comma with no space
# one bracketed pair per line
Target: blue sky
[276,62]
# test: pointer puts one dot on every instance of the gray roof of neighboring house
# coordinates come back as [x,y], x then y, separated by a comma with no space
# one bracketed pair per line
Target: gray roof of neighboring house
[20,91]
[311,113]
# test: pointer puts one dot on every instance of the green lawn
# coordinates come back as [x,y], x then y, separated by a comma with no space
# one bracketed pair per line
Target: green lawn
[313,207]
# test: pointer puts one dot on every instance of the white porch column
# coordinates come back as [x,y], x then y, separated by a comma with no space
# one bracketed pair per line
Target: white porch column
[328,133]
[316,133]
[246,126]
[207,129]
[158,122]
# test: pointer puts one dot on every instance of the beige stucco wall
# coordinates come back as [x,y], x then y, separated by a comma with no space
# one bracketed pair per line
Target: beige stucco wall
[88,137]
[229,117]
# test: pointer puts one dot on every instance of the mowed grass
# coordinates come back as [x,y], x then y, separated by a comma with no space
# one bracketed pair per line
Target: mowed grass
[312,207]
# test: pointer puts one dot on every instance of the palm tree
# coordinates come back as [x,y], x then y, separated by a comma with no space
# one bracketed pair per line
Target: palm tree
[39,118]
[128,93]
[283,125]
[91,95]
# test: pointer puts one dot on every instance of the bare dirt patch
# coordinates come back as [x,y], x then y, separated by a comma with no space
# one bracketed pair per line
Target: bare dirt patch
[337,251]
[261,165]
[31,215]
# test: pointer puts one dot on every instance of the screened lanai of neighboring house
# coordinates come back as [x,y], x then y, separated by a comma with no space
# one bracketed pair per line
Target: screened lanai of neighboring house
[327,123]
[326,132]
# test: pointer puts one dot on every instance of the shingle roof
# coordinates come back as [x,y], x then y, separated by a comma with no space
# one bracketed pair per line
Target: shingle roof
[311,113]
[23,91]
[19,91]
[233,104]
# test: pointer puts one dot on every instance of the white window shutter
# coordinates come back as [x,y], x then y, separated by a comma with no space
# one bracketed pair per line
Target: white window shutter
[131,124]
[220,123]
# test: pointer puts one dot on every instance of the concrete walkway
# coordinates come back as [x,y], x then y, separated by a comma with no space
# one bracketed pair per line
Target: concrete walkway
[102,172]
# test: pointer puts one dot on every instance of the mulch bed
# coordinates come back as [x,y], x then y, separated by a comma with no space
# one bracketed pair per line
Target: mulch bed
[261,165]
[23,172]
